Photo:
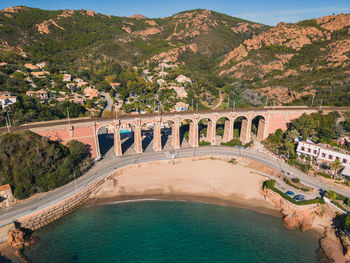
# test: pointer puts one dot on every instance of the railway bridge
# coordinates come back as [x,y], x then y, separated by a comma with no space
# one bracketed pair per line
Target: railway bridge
[266,121]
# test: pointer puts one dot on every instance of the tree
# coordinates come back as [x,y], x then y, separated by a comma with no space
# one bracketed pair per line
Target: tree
[290,135]
[288,149]
[336,165]
[331,195]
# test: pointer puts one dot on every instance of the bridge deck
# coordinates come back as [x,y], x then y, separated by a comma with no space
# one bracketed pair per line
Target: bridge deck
[166,114]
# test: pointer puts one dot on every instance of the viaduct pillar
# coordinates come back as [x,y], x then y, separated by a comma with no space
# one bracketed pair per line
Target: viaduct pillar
[261,130]
[157,137]
[137,138]
[117,141]
[228,130]
[193,133]
[211,132]
[175,134]
[245,131]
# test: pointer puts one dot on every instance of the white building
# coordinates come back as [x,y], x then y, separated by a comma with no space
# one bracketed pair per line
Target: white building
[6,100]
[181,106]
[322,153]
[183,78]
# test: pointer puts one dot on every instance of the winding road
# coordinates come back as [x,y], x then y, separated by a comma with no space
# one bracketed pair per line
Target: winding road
[110,163]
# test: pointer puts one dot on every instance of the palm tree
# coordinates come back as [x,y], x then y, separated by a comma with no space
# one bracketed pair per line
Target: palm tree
[331,195]
[336,165]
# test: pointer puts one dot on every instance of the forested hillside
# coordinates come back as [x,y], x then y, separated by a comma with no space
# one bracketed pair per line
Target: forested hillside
[33,164]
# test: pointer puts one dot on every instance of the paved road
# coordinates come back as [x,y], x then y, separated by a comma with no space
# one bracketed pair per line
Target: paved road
[109,101]
[111,162]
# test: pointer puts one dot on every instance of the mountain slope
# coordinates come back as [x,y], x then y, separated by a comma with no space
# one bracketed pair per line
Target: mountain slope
[302,58]
[289,63]
[57,35]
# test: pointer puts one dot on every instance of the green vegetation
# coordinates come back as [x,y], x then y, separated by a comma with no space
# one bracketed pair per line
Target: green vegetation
[304,189]
[233,142]
[33,164]
[270,184]
[30,109]
[324,175]
[337,204]
[203,143]
[298,164]
[347,223]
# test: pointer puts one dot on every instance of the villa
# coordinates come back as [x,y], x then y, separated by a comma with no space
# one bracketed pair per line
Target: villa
[67,77]
[6,99]
[41,65]
[114,85]
[181,106]
[322,154]
[30,66]
[6,196]
[180,91]
[183,78]
[42,94]
[40,74]
[90,92]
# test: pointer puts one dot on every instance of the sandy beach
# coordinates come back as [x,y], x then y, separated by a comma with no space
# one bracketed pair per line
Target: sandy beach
[211,180]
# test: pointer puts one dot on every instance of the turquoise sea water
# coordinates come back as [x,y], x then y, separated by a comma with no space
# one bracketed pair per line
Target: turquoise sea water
[170,231]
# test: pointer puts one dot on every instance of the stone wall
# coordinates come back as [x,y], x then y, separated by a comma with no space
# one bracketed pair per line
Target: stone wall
[52,213]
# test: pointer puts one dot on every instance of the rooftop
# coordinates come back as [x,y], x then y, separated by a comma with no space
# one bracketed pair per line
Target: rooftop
[5,187]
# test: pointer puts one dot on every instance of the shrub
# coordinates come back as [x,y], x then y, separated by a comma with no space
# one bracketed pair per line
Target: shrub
[296,180]
[324,175]
[296,163]
[347,202]
[233,142]
[347,223]
[203,143]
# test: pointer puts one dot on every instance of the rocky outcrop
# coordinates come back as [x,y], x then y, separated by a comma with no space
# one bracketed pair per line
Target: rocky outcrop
[245,27]
[147,32]
[88,12]
[289,35]
[138,16]
[345,241]
[330,251]
[43,28]
[173,54]
[334,22]
[14,9]
[20,237]
[193,24]
[338,53]
[151,23]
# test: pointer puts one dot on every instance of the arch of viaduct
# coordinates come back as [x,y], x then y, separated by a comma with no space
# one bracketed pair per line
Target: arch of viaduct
[87,131]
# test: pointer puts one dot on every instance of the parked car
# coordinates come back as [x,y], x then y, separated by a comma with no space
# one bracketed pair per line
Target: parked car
[290,193]
[299,198]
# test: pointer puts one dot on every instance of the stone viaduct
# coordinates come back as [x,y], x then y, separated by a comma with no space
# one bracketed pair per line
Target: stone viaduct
[86,131]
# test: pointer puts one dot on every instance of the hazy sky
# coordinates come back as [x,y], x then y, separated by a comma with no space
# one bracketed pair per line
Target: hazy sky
[264,11]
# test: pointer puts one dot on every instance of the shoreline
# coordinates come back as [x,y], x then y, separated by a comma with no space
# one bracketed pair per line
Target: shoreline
[259,207]
[212,180]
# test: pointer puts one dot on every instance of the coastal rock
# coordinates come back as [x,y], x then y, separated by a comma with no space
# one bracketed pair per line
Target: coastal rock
[293,217]
[299,219]
[330,251]
[346,244]
[20,237]
[19,253]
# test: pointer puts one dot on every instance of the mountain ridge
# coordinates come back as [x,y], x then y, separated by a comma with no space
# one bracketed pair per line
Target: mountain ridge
[297,60]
